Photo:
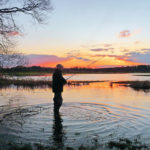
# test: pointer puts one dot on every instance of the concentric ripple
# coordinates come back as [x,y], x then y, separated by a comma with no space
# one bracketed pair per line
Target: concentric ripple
[77,123]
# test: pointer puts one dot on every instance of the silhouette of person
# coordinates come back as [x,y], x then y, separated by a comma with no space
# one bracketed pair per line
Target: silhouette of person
[57,86]
[58,134]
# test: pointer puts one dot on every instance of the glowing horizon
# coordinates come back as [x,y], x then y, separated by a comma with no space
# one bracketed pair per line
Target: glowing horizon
[78,33]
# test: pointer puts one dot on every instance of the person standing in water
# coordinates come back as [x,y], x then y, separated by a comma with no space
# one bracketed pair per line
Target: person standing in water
[57,86]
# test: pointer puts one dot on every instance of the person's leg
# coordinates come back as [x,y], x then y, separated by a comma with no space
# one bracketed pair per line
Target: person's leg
[57,101]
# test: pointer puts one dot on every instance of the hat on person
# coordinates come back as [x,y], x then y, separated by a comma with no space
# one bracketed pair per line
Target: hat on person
[59,66]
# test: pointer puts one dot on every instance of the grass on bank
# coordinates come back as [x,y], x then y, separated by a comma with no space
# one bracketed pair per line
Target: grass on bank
[4,82]
[126,144]
[121,144]
[137,85]
[25,83]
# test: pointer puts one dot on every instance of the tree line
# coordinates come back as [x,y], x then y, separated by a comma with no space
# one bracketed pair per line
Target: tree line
[126,69]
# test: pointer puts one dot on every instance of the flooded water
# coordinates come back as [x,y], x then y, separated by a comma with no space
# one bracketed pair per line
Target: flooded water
[109,77]
[95,112]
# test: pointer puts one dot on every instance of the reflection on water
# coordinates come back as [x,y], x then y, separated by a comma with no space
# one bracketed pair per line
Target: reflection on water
[98,111]
[82,123]
[109,77]
[58,133]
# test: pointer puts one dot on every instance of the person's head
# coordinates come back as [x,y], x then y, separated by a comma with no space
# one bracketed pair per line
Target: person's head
[59,67]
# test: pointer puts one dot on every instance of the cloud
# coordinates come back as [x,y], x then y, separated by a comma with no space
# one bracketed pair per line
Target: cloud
[125,33]
[146,50]
[39,59]
[137,42]
[76,54]
[128,33]
[51,60]
[89,46]
[118,57]
[79,58]
[142,58]
[96,45]
[125,50]
[101,49]
[138,51]
[13,33]
[107,45]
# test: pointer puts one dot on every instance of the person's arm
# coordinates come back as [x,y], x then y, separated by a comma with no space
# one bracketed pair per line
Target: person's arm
[62,79]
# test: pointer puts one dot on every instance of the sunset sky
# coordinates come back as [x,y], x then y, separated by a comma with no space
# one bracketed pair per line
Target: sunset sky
[89,33]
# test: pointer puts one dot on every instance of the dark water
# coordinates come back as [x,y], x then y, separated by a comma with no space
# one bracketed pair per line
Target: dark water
[94,112]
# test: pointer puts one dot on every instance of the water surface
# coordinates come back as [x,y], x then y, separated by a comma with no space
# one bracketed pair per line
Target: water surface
[97,111]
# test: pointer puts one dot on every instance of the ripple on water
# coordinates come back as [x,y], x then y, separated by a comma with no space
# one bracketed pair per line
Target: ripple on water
[76,124]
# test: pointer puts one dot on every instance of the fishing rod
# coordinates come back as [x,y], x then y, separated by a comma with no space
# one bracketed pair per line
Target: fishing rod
[87,66]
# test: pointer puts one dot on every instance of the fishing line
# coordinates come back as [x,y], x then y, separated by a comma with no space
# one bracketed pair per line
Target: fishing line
[88,66]
[102,22]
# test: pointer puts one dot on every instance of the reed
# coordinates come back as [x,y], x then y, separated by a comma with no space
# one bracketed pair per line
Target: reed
[25,83]
[6,82]
[137,85]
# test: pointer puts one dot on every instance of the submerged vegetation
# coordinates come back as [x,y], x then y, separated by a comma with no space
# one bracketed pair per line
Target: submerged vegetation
[31,83]
[126,144]
[136,85]
[121,144]
[6,82]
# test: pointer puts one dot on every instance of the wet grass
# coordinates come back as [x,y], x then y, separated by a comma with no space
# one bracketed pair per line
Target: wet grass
[126,144]
[121,144]
[17,147]
[11,146]
[137,85]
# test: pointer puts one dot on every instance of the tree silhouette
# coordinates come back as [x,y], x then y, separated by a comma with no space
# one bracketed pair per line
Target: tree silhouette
[9,11]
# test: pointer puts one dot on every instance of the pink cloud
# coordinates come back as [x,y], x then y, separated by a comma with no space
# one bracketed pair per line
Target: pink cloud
[13,33]
[107,45]
[125,33]
[128,33]
[137,42]
[39,59]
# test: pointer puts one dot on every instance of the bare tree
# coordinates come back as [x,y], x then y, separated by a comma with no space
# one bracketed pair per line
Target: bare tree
[9,9]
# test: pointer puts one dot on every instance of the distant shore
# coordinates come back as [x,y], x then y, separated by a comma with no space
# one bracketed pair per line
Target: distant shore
[37,70]
[48,73]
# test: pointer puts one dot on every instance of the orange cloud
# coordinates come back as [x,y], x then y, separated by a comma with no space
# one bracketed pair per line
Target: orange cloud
[102,61]
[91,61]
[114,60]
[68,63]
